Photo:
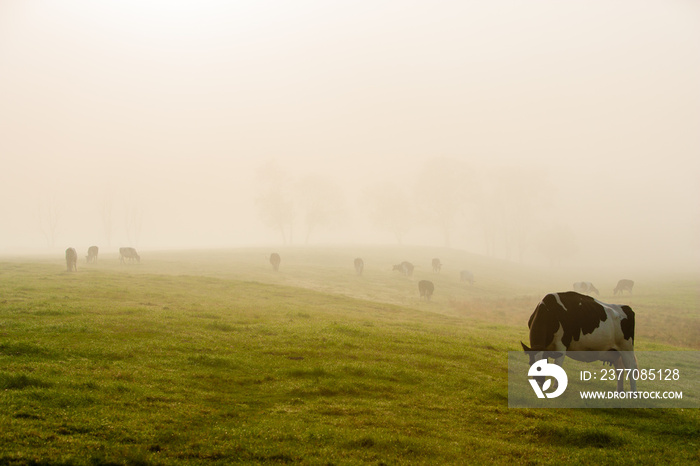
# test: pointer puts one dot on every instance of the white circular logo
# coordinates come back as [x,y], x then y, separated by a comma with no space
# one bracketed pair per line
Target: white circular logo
[543,369]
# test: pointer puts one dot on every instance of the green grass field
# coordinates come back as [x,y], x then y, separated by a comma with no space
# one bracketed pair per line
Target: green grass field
[211,357]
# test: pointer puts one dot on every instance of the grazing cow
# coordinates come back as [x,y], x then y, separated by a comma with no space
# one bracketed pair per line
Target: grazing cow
[405,268]
[92,254]
[359,266]
[466,276]
[71,260]
[129,253]
[437,265]
[426,288]
[623,285]
[585,288]
[595,331]
[275,260]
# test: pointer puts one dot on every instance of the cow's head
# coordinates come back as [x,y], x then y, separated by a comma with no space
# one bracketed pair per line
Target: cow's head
[535,355]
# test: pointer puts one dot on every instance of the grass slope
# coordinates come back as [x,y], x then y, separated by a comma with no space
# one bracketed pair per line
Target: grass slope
[149,365]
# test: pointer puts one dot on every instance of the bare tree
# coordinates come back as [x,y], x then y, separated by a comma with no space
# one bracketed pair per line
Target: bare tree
[487,217]
[275,202]
[508,209]
[389,208]
[558,244]
[277,212]
[443,188]
[133,221]
[321,201]
[48,221]
[520,197]
[108,219]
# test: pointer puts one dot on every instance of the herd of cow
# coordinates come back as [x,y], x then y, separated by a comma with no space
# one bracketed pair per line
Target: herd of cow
[588,288]
[568,323]
[125,254]
[425,287]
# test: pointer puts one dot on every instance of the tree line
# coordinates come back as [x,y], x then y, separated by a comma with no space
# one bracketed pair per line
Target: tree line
[508,207]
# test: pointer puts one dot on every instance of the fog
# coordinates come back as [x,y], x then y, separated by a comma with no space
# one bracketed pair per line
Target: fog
[538,132]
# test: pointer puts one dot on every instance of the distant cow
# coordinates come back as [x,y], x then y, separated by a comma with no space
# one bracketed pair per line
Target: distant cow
[437,265]
[426,288]
[92,254]
[359,266]
[595,331]
[71,260]
[130,254]
[585,288]
[466,276]
[624,285]
[405,268]
[275,260]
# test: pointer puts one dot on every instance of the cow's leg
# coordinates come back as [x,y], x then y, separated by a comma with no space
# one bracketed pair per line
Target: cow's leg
[559,360]
[629,360]
[626,360]
[619,364]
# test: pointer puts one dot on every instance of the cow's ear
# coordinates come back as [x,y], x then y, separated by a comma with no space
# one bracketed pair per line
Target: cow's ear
[525,348]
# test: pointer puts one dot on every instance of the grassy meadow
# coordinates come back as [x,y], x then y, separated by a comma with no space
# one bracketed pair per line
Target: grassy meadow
[199,357]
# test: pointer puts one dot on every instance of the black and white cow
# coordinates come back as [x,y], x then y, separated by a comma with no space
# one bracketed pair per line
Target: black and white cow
[426,288]
[92,254]
[71,260]
[359,265]
[437,265]
[624,285]
[405,268]
[275,260]
[585,288]
[466,276]
[595,331]
[129,253]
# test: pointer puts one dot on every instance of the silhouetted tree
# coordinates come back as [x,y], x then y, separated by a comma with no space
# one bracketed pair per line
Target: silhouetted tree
[389,208]
[321,201]
[486,215]
[519,198]
[48,221]
[443,188]
[558,244]
[133,221]
[108,219]
[508,206]
[274,202]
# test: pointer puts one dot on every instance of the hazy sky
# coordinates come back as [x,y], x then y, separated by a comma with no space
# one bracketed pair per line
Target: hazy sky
[168,109]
